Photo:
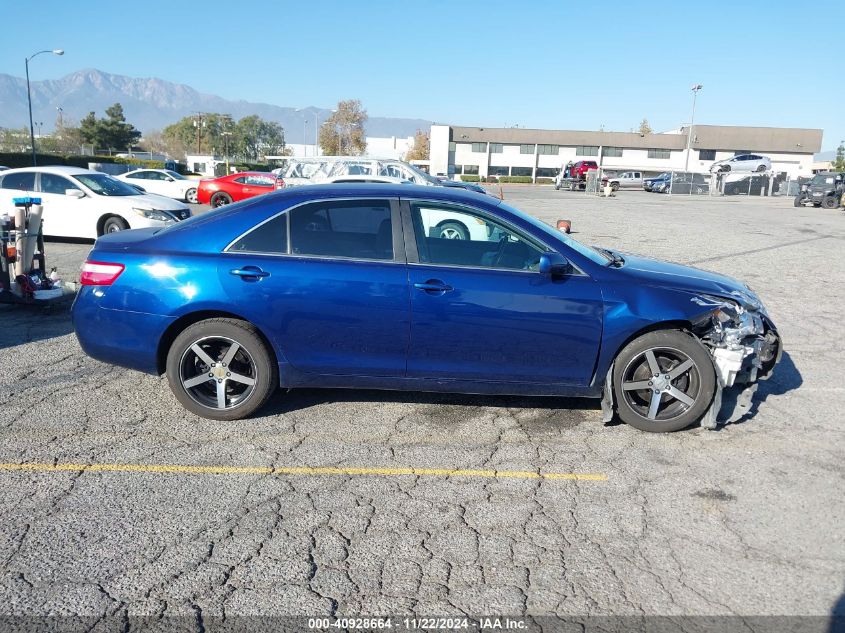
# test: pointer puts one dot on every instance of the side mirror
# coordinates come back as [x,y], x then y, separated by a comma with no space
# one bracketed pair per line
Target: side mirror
[75,193]
[553,264]
[169,179]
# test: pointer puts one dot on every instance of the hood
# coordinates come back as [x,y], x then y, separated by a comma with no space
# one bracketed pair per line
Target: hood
[154,201]
[654,272]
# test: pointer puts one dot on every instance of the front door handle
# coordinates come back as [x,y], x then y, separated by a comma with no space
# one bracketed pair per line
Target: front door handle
[249,273]
[433,286]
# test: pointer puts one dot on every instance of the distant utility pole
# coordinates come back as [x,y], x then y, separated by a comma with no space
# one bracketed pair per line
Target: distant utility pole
[60,122]
[199,123]
[695,88]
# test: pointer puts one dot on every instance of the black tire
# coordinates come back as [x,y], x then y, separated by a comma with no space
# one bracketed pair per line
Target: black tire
[761,168]
[113,224]
[251,360]
[191,196]
[453,231]
[798,202]
[614,186]
[830,202]
[219,199]
[817,204]
[670,349]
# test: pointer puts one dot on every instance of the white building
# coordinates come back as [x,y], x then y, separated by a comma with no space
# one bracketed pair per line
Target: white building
[457,151]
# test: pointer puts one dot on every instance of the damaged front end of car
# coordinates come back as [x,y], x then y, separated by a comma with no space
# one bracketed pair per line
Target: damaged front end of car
[744,345]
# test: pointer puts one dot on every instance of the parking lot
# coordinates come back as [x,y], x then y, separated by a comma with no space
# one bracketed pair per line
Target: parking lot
[359,502]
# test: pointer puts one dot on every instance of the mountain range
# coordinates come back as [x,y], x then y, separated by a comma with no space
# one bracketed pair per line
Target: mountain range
[151,104]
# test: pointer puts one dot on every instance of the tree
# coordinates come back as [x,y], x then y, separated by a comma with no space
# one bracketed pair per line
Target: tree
[248,139]
[645,128]
[838,163]
[343,132]
[254,137]
[111,132]
[420,149]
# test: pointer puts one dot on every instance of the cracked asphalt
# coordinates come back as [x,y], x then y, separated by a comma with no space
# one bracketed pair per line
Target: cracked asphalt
[747,520]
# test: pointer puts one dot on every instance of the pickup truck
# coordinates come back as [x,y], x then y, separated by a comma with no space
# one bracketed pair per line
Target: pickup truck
[626,180]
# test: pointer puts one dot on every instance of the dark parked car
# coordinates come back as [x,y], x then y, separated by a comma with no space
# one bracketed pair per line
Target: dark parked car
[349,286]
[685,183]
[824,190]
[648,183]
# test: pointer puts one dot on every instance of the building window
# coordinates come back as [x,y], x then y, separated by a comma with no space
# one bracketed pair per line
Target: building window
[613,152]
[496,148]
[707,154]
[470,170]
[452,146]
[659,153]
[495,170]
[586,150]
[526,149]
[458,169]
[547,172]
[479,147]
[548,149]
[521,171]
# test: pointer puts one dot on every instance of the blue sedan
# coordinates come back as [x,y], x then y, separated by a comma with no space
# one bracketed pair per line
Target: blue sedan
[357,286]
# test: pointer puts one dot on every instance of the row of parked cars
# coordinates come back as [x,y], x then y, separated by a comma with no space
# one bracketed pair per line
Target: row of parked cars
[83,203]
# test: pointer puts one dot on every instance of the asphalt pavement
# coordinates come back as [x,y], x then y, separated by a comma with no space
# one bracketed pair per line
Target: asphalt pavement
[360,502]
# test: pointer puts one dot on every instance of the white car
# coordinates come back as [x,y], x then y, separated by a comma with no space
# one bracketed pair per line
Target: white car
[164,182]
[85,203]
[743,162]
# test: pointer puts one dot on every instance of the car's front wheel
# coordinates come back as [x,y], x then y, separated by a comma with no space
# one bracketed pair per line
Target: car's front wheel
[830,202]
[221,369]
[114,224]
[663,381]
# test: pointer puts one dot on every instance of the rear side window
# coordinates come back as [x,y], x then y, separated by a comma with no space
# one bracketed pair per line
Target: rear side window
[350,229]
[270,237]
[24,181]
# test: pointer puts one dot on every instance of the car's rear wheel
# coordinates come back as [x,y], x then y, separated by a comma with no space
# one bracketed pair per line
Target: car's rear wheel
[221,369]
[614,186]
[761,168]
[114,224]
[453,231]
[191,196]
[663,381]
[220,198]
[830,202]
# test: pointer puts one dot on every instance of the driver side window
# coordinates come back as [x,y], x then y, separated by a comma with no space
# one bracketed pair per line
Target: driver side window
[462,237]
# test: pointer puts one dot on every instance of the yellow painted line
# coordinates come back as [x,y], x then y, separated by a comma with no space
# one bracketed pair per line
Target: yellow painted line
[297,470]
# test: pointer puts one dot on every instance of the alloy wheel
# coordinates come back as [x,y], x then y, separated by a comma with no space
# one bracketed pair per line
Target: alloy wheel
[218,372]
[661,383]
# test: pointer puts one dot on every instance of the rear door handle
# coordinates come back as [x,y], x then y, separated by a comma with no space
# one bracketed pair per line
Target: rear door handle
[433,286]
[249,273]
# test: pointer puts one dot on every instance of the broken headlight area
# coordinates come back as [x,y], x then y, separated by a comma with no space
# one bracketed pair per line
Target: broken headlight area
[744,344]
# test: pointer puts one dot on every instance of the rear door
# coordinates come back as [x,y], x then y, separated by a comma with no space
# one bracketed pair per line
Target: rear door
[480,311]
[331,287]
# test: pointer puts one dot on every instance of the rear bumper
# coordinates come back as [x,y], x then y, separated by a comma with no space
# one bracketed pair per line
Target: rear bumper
[119,337]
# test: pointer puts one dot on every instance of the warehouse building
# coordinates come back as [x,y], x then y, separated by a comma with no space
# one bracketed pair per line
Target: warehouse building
[479,151]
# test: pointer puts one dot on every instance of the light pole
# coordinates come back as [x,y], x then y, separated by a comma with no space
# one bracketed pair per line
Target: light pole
[695,88]
[55,51]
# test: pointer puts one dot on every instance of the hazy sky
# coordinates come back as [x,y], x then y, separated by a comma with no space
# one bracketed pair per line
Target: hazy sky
[569,65]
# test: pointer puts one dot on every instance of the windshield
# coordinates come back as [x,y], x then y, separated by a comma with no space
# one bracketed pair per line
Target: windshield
[104,185]
[422,174]
[593,254]
[174,175]
[819,179]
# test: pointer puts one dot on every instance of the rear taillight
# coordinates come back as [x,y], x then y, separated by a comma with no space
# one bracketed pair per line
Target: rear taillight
[100,273]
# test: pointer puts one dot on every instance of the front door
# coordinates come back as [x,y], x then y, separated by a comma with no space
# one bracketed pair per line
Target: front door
[334,295]
[65,215]
[480,310]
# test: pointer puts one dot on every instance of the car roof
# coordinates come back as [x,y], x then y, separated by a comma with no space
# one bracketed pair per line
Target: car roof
[65,170]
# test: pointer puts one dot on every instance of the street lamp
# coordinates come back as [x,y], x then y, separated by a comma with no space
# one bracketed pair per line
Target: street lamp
[55,51]
[695,88]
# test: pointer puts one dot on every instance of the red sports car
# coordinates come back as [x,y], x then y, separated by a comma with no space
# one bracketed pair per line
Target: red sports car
[236,187]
